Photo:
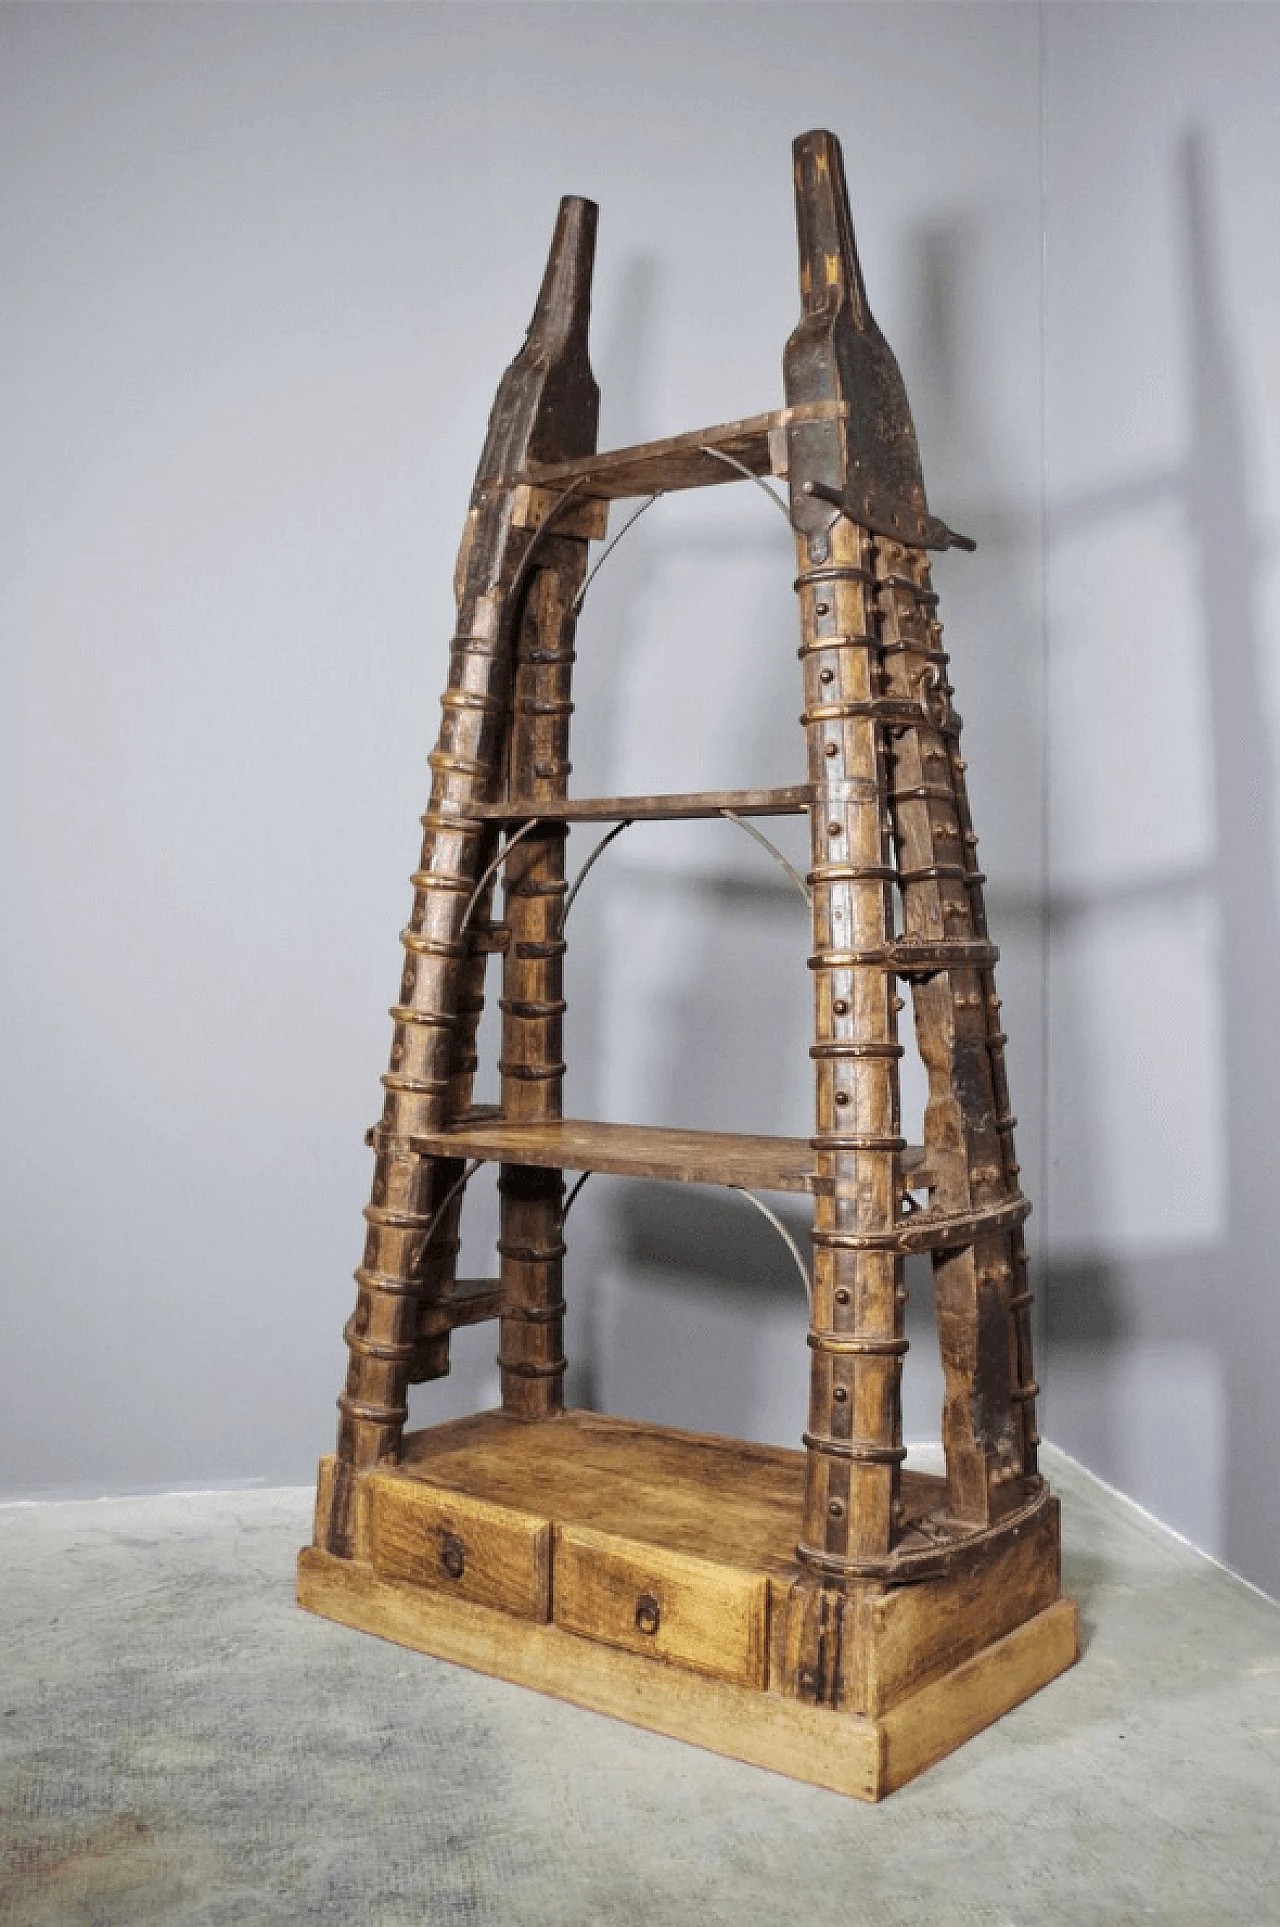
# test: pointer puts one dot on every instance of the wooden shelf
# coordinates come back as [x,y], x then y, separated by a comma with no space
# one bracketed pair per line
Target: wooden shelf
[641,1151]
[685,807]
[757,443]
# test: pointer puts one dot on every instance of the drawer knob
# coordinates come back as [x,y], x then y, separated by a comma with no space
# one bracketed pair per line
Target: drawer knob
[453,1555]
[648,1614]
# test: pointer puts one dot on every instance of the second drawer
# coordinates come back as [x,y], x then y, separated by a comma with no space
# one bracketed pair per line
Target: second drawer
[668,1605]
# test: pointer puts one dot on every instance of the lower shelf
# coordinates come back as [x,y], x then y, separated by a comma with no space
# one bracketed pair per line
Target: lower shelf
[650,1574]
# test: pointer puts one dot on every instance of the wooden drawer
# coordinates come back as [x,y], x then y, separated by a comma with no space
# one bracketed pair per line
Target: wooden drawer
[711,1618]
[488,1553]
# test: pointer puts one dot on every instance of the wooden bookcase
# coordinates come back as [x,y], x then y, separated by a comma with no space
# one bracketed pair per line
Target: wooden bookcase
[824,1611]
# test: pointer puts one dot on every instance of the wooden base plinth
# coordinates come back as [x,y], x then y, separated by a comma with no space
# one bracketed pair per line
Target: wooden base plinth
[650,1575]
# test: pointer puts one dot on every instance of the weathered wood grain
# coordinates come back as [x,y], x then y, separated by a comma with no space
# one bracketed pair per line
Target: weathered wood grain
[685,807]
[693,1612]
[850,1754]
[756,443]
[459,1544]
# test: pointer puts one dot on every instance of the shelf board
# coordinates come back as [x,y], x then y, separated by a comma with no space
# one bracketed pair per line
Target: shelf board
[757,443]
[617,809]
[640,1151]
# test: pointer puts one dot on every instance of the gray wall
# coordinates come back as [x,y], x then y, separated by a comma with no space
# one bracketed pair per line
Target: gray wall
[1163,446]
[270,262]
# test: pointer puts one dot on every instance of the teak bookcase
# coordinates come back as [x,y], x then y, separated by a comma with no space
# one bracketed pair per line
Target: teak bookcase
[825,1612]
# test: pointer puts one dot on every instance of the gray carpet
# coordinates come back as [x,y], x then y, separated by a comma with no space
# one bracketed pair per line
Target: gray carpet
[179,1744]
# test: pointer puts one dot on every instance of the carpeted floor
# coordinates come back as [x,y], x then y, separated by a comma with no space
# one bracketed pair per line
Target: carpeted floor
[178,1743]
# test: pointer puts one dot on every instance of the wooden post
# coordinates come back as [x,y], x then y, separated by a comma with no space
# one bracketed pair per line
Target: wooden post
[854,1437]
[531,1242]
[546,408]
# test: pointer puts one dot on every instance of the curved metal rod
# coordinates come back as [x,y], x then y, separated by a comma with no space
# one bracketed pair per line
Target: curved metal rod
[568,1203]
[774,851]
[497,863]
[511,601]
[595,856]
[751,476]
[782,1232]
[458,1184]
[609,548]
[740,1191]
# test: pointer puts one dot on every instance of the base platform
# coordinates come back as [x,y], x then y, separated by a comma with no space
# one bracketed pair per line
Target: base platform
[651,1575]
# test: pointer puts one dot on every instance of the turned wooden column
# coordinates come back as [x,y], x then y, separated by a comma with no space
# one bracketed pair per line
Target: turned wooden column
[531,1235]
[854,1437]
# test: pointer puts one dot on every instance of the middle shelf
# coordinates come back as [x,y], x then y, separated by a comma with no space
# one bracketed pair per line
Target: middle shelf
[727,1158]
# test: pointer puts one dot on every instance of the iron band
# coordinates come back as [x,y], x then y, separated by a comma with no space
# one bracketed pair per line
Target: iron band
[856,1141]
[404,1086]
[852,873]
[905,958]
[531,1254]
[447,763]
[844,789]
[471,699]
[519,1368]
[441,880]
[533,1007]
[532,1073]
[833,572]
[431,946]
[547,707]
[859,1451]
[388,1284]
[463,644]
[384,1349]
[379,1415]
[842,639]
[897,710]
[857,1344]
[441,824]
[536,1314]
[427,1019]
[839,1050]
[938,873]
[922,792]
[547,656]
[378,1214]
[541,952]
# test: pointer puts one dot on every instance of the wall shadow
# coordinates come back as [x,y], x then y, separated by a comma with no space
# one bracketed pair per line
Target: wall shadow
[701,1319]
[1222,1300]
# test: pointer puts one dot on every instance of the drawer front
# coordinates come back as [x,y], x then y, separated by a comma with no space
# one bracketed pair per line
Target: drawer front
[693,1612]
[487,1553]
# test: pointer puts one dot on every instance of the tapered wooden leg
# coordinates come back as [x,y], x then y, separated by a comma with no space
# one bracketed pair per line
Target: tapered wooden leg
[854,1438]
[531,1245]
[546,408]
[983,1334]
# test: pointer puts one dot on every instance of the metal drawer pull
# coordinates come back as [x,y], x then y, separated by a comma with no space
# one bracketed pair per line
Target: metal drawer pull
[648,1614]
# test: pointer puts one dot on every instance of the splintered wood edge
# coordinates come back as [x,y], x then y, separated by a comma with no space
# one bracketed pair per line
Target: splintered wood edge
[866,1758]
